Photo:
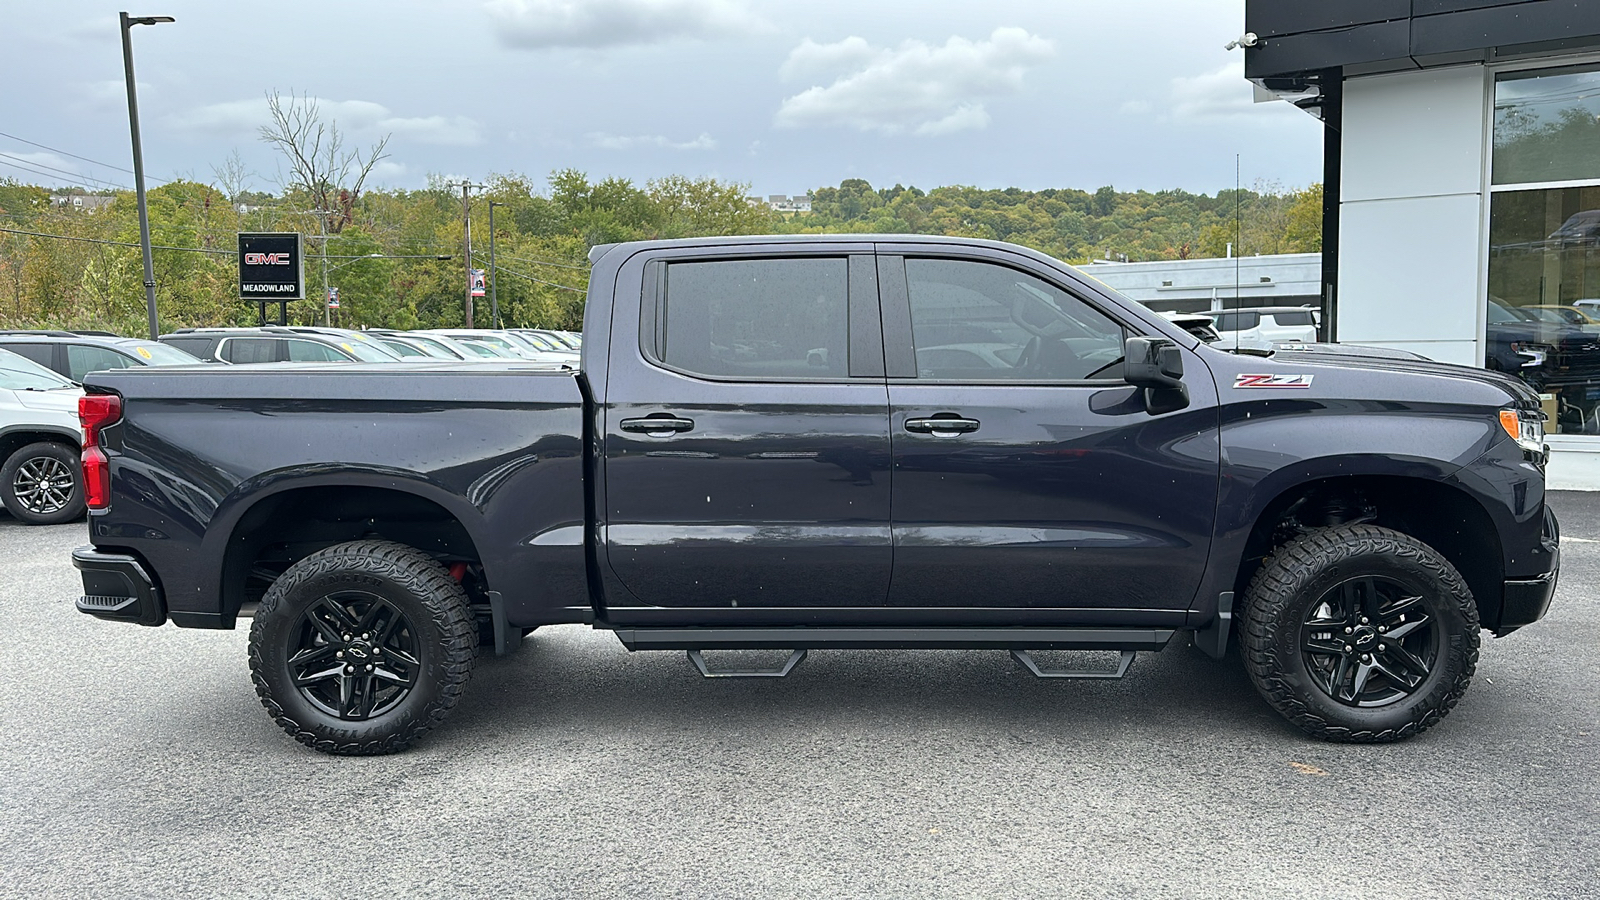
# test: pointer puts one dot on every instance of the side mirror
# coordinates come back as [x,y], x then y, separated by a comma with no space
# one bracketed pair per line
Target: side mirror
[1156,364]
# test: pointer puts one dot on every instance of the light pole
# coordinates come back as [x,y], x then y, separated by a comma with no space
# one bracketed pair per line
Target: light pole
[138,162]
[494,294]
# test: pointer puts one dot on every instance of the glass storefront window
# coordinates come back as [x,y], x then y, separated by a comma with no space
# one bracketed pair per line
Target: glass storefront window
[1543,321]
[1547,126]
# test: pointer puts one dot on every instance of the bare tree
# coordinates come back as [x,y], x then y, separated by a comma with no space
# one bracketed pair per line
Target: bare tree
[232,176]
[330,174]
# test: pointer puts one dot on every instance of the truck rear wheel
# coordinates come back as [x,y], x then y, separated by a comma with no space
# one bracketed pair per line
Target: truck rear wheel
[361,648]
[1360,634]
[42,484]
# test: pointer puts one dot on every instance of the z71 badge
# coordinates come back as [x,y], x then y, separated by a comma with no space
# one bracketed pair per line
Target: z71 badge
[1272,381]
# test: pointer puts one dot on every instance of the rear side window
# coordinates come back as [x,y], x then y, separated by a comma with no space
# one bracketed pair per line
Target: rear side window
[39,353]
[251,350]
[311,351]
[1236,321]
[1293,318]
[757,319]
[83,359]
[197,347]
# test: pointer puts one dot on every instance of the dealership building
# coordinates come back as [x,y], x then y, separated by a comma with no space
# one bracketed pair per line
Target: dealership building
[1462,184]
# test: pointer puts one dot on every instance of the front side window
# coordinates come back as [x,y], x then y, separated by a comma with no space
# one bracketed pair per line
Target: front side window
[1544,240]
[758,319]
[83,359]
[978,321]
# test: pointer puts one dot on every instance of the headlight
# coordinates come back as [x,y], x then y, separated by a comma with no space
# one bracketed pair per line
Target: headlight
[1526,427]
[1536,354]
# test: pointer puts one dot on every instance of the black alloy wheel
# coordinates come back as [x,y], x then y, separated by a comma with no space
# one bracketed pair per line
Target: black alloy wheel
[1359,633]
[362,648]
[42,484]
[1369,641]
[354,655]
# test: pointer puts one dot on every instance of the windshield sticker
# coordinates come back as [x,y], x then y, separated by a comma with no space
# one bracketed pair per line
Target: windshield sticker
[143,352]
[1272,381]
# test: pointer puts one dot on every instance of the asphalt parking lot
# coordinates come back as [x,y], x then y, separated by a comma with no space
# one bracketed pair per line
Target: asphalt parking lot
[137,762]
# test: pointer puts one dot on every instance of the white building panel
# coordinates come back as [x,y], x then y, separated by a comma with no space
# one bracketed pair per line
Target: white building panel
[1414,134]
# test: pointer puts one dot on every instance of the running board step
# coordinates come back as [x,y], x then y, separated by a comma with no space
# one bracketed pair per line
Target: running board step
[805,637]
[1024,657]
[796,657]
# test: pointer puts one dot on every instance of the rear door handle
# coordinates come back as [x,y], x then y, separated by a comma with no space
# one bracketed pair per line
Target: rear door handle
[658,425]
[942,425]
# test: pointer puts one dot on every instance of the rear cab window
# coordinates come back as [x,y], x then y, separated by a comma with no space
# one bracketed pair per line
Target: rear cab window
[753,319]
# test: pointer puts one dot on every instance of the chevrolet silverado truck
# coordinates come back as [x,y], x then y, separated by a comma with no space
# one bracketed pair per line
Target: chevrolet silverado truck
[831,442]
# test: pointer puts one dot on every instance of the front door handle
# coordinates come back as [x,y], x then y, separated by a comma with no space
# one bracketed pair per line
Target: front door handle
[942,426]
[658,425]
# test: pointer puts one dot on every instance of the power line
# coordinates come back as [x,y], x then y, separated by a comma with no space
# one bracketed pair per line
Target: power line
[56,178]
[542,281]
[65,153]
[62,171]
[546,262]
[68,237]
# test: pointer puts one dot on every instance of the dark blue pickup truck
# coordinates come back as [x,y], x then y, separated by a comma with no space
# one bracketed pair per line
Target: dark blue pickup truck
[830,443]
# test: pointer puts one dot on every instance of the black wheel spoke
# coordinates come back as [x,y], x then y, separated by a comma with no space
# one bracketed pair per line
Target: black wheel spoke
[1404,629]
[1404,659]
[1358,682]
[319,676]
[312,655]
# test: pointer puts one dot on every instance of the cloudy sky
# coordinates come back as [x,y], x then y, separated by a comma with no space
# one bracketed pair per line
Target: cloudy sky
[785,95]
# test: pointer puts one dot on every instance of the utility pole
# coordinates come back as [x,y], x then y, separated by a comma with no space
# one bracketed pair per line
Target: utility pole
[322,228]
[138,162]
[466,240]
[494,294]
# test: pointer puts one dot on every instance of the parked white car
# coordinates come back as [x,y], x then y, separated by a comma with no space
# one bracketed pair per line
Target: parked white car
[41,480]
[1273,324]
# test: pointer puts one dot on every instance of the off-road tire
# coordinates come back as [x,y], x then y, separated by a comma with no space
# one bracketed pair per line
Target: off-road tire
[1288,587]
[47,453]
[435,607]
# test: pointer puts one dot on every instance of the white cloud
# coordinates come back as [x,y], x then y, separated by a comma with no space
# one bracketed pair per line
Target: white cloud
[544,24]
[628,142]
[355,117]
[1222,94]
[915,88]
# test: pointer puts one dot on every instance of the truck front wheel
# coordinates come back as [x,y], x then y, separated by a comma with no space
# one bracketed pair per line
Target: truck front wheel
[361,648]
[1360,634]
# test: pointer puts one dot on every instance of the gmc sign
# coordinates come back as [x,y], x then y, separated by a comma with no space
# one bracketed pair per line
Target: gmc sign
[269,267]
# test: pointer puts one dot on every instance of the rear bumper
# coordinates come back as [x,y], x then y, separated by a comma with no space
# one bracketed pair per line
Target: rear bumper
[116,587]
[1525,600]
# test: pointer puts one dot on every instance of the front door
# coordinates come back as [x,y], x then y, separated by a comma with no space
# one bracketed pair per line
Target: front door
[1026,472]
[746,437]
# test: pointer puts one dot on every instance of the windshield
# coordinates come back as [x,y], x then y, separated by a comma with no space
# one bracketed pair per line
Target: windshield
[436,346]
[18,374]
[402,347]
[154,354]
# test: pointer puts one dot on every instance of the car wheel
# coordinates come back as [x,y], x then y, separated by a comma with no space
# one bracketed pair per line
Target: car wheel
[1360,634]
[42,484]
[362,648]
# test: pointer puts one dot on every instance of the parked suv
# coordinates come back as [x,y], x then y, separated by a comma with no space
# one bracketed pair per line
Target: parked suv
[278,344]
[1276,324]
[40,482]
[74,354]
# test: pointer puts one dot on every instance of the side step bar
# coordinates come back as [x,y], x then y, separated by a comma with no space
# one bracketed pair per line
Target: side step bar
[805,637]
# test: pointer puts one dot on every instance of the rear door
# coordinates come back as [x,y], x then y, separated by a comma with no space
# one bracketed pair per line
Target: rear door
[746,445]
[1027,473]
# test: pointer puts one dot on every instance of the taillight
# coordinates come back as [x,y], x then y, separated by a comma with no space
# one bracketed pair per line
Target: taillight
[96,411]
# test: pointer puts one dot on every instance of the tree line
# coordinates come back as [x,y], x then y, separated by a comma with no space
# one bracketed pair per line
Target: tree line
[87,272]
